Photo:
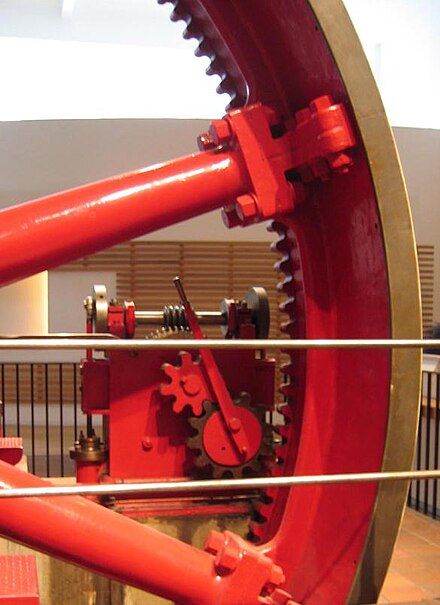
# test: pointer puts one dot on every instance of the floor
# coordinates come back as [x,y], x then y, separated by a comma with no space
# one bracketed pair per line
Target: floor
[414,574]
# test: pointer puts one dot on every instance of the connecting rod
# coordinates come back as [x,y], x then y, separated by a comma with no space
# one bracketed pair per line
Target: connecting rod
[60,228]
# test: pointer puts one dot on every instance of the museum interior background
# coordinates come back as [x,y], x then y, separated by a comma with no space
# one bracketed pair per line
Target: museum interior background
[80,103]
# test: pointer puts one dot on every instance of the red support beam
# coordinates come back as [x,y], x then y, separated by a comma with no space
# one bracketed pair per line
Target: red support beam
[51,231]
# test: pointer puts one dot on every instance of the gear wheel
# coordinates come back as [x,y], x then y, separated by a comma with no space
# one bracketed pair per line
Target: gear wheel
[214,451]
[187,384]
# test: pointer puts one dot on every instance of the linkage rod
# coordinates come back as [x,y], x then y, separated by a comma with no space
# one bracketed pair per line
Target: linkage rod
[169,343]
[160,487]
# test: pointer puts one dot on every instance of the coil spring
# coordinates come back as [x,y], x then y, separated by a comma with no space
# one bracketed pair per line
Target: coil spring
[174,317]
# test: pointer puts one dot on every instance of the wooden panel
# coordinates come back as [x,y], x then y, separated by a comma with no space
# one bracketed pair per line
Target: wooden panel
[425,254]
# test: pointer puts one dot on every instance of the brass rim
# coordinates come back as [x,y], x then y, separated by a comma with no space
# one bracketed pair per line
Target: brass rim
[400,249]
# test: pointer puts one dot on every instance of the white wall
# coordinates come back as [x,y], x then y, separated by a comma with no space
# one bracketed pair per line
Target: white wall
[38,158]
[419,151]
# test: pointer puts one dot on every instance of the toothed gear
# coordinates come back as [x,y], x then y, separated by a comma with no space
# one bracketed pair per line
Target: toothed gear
[215,452]
[187,384]
[291,286]
[170,332]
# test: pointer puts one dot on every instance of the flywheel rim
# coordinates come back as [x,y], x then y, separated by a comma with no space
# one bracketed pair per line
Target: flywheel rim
[239,73]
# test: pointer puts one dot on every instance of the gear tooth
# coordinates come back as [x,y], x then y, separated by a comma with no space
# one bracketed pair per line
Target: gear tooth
[288,369]
[283,265]
[197,408]
[192,442]
[288,390]
[185,359]
[166,389]
[178,405]
[215,68]
[289,327]
[204,49]
[287,286]
[288,306]
[191,32]
[226,85]
[194,423]
[179,13]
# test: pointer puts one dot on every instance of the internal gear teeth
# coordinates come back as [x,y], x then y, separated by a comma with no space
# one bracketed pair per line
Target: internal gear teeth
[283,265]
[289,327]
[288,306]
[288,369]
[179,13]
[226,86]
[281,246]
[215,68]
[191,32]
[204,49]
[287,286]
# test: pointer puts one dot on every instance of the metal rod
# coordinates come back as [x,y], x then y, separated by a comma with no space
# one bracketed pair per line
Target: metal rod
[32,416]
[155,318]
[217,484]
[139,344]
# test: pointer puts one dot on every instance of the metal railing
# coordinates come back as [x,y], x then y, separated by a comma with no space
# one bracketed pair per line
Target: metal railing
[424,495]
[41,403]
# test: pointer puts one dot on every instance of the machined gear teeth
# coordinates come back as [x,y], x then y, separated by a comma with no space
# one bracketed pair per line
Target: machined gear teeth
[202,460]
[288,264]
[195,29]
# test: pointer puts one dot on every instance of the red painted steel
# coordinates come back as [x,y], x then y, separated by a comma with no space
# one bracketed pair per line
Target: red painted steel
[50,231]
[18,580]
[77,530]
[336,287]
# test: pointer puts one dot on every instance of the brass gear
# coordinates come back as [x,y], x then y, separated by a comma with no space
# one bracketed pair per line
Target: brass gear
[209,468]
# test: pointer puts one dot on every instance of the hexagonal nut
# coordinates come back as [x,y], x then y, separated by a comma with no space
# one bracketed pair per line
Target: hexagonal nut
[280,597]
[214,542]
[247,208]
[227,558]
[321,104]
[277,576]
[205,142]
[230,217]
[220,131]
[341,162]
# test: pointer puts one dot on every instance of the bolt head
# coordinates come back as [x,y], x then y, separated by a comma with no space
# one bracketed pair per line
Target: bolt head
[235,424]
[228,556]
[147,444]
[321,104]
[214,542]
[230,217]
[205,142]
[220,131]
[247,209]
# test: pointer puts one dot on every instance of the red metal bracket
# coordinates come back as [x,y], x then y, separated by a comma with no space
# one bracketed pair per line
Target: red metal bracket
[317,141]
[238,558]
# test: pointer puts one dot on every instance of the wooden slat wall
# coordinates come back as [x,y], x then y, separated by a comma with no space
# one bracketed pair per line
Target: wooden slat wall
[210,271]
[425,254]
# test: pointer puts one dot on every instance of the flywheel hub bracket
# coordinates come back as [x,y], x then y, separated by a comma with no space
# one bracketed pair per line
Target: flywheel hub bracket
[281,156]
[251,576]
